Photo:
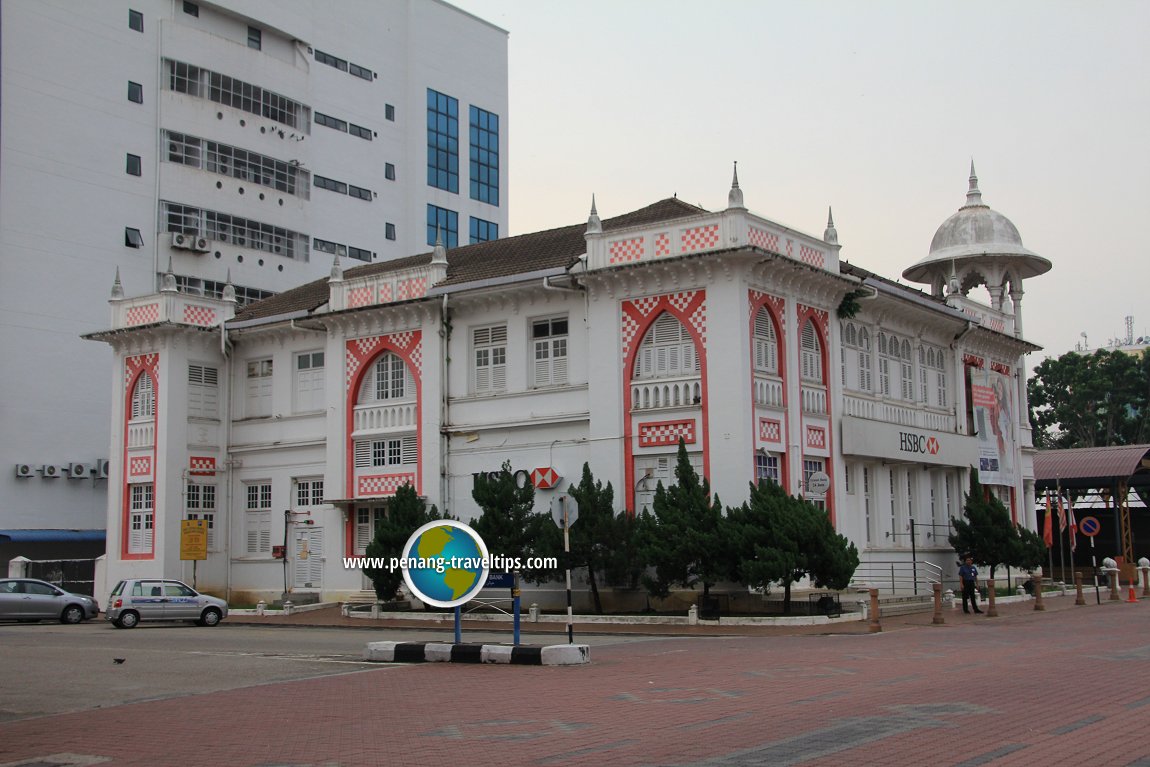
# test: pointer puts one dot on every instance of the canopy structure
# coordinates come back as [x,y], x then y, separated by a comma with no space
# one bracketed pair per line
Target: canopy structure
[1109,472]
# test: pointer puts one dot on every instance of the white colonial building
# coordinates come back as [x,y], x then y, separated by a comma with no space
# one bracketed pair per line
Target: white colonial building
[289,423]
[239,141]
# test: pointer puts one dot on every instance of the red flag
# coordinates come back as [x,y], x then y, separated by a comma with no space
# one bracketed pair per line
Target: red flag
[1061,516]
[1073,525]
[1047,530]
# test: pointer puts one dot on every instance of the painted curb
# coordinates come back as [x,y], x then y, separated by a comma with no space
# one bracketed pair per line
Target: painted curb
[520,655]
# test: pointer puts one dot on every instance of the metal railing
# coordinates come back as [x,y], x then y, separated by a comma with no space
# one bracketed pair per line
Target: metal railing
[898,576]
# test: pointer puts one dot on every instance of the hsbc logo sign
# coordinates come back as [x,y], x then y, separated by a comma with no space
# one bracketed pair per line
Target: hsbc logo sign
[910,442]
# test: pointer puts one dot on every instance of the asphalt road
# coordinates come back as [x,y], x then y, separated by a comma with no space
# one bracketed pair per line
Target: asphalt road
[49,668]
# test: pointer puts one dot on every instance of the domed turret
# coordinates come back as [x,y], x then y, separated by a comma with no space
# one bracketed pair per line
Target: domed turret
[978,246]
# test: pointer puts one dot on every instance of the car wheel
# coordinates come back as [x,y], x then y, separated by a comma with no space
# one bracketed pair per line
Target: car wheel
[127,620]
[211,617]
[72,614]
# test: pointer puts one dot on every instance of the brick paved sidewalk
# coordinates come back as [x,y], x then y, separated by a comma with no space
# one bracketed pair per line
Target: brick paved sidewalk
[331,617]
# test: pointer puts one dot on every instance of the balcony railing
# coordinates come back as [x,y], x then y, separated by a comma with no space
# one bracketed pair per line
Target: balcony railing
[649,394]
[877,410]
[400,416]
[768,391]
[814,399]
[141,434]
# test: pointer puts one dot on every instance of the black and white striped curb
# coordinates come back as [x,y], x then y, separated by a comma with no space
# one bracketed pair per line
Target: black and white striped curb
[429,652]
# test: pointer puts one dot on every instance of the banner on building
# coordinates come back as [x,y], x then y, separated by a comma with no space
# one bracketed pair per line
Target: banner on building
[992,400]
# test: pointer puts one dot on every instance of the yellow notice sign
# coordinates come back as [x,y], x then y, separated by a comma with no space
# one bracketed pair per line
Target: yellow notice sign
[193,539]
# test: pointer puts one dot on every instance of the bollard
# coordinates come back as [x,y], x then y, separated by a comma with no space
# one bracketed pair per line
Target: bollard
[991,610]
[875,624]
[533,613]
[1079,599]
[345,610]
[261,607]
[1037,581]
[375,610]
[1146,581]
[937,621]
[948,598]
[693,615]
[1114,586]
[289,608]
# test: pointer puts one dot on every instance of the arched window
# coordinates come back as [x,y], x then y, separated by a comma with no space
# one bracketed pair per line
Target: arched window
[907,372]
[811,357]
[865,381]
[144,397]
[389,379]
[667,350]
[766,344]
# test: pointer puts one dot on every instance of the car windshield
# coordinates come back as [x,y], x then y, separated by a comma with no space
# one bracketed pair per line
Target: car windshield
[118,590]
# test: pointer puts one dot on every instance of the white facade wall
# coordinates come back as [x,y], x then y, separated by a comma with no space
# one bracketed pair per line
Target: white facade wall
[591,417]
[66,198]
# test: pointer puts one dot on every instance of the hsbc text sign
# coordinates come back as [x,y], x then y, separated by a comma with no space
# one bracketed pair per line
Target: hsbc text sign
[878,439]
[912,442]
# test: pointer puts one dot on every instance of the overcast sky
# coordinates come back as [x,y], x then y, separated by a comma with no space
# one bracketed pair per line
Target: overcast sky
[874,108]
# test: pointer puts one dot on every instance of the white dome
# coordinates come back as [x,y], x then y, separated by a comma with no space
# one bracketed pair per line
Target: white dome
[976,232]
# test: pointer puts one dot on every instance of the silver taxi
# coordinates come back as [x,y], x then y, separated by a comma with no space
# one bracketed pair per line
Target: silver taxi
[161,599]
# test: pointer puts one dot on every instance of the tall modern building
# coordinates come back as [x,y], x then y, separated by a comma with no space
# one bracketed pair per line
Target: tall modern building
[238,141]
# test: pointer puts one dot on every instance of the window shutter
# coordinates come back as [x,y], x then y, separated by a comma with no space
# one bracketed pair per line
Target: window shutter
[363,532]
[409,450]
[362,453]
[543,375]
[559,361]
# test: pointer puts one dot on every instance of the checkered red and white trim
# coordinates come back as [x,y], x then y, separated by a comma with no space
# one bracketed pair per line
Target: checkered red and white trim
[357,297]
[133,366]
[691,303]
[382,484]
[142,315]
[699,238]
[662,244]
[663,433]
[770,430]
[140,466]
[758,298]
[816,437]
[385,293]
[202,464]
[622,251]
[761,238]
[414,287]
[812,256]
[199,315]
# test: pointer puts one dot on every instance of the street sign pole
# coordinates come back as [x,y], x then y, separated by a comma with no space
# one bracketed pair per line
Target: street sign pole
[1094,565]
[567,563]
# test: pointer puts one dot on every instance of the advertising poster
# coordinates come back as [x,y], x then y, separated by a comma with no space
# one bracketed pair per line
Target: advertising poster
[992,399]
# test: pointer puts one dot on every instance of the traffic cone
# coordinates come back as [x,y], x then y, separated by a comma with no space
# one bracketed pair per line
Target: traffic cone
[1132,597]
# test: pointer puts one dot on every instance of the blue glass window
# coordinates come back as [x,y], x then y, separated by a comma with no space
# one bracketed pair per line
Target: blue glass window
[484,156]
[483,231]
[444,221]
[442,141]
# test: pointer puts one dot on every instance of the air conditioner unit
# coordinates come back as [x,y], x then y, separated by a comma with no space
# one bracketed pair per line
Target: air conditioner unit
[100,469]
[183,241]
[79,470]
[24,470]
[202,245]
[51,472]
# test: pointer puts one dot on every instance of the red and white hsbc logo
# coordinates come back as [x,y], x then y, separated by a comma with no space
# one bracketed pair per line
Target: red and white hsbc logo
[909,442]
[545,478]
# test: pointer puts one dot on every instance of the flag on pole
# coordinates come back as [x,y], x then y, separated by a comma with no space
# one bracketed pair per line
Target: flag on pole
[1073,525]
[1047,530]
[1061,515]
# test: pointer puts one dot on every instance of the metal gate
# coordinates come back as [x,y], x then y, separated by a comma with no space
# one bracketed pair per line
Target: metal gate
[75,575]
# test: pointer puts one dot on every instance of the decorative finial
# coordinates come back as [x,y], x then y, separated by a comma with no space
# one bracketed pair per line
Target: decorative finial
[439,255]
[168,285]
[831,235]
[229,288]
[594,225]
[973,196]
[117,287]
[336,274]
[953,287]
[735,196]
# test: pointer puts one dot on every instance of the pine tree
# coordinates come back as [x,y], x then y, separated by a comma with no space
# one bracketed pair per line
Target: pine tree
[594,537]
[987,533]
[509,524]
[406,513]
[684,537]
